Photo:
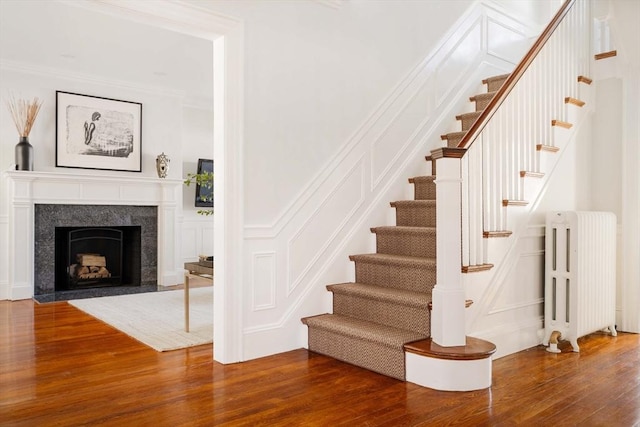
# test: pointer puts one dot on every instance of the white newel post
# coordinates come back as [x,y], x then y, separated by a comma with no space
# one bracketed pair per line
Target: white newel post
[448,314]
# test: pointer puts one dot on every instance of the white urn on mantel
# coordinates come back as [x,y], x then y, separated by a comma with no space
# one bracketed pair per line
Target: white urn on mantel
[162,165]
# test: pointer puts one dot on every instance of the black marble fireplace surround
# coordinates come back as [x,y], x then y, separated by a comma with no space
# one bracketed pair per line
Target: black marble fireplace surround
[48,217]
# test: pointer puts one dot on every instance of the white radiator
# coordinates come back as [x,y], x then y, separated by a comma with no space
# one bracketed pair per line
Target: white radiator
[580,276]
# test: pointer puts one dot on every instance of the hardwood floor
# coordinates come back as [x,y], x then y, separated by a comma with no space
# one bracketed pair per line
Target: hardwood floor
[59,366]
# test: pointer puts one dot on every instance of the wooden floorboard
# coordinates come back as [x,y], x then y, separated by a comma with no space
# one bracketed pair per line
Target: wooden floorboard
[60,366]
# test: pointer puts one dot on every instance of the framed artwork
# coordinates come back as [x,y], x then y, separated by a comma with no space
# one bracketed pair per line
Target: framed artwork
[204,193]
[98,133]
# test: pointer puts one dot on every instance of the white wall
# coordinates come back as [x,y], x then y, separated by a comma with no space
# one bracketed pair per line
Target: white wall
[197,143]
[624,18]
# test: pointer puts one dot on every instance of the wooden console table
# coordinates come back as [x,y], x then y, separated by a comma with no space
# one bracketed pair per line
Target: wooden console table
[196,269]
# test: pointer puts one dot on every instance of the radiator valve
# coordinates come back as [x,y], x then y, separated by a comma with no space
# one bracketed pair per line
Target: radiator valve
[553,342]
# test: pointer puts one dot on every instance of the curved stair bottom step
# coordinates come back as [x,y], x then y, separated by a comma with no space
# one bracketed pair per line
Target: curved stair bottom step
[461,368]
[368,345]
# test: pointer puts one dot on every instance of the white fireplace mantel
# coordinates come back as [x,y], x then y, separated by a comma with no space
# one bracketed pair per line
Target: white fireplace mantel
[28,188]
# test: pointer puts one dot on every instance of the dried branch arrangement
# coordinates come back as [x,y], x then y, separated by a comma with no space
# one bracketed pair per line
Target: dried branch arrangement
[24,113]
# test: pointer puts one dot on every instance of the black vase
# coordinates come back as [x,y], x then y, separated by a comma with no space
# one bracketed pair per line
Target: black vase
[24,155]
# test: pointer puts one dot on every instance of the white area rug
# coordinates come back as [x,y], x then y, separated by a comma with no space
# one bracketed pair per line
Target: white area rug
[157,318]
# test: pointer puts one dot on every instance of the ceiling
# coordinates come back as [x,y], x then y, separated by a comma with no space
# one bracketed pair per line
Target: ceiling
[53,35]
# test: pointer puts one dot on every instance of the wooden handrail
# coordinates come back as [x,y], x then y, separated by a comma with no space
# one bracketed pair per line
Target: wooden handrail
[513,78]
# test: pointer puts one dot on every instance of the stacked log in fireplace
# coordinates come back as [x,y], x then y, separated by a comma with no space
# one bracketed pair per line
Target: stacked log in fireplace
[89,266]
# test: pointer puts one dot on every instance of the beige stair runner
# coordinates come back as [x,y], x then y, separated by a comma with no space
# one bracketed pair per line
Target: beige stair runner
[388,304]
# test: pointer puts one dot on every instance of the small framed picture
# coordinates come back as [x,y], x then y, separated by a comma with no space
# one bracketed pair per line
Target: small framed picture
[98,133]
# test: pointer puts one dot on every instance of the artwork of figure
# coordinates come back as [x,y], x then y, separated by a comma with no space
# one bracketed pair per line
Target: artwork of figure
[90,128]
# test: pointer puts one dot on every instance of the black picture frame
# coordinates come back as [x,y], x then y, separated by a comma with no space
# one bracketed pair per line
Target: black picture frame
[204,195]
[98,133]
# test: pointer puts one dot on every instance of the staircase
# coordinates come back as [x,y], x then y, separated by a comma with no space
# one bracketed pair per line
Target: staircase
[388,306]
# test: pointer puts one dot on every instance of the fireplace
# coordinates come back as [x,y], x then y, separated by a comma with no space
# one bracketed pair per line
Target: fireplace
[40,201]
[90,257]
[94,250]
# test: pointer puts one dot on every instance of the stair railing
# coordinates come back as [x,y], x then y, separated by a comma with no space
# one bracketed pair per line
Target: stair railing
[504,142]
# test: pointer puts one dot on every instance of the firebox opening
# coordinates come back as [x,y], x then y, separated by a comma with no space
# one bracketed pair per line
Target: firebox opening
[96,257]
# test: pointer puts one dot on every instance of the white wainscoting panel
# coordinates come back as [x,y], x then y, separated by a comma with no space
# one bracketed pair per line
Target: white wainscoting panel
[464,54]
[190,242]
[504,40]
[514,317]
[206,236]
[310,241]
[263,268]
[196,236]
[387,148]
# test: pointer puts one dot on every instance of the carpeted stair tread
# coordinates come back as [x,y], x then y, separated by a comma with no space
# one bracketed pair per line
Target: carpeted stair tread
[424,187]
[406,231]
[406,240]
[415,213]
[396,271]
[363,329]
[468,119]
[482,96]
[482,100]
[453,138]
[495,82]
[395,260]
[383,293]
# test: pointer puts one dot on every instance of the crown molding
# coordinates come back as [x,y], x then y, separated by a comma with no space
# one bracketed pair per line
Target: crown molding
[41,70]
[177,15]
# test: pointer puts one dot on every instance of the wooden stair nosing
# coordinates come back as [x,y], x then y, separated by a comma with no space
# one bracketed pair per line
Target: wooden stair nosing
[506,202]
[550,148]
[467,303]
[490,234]
[604,55]
[476,268]
[585,80]
[474,349]
[574,101]
[525,174]
[561,124]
